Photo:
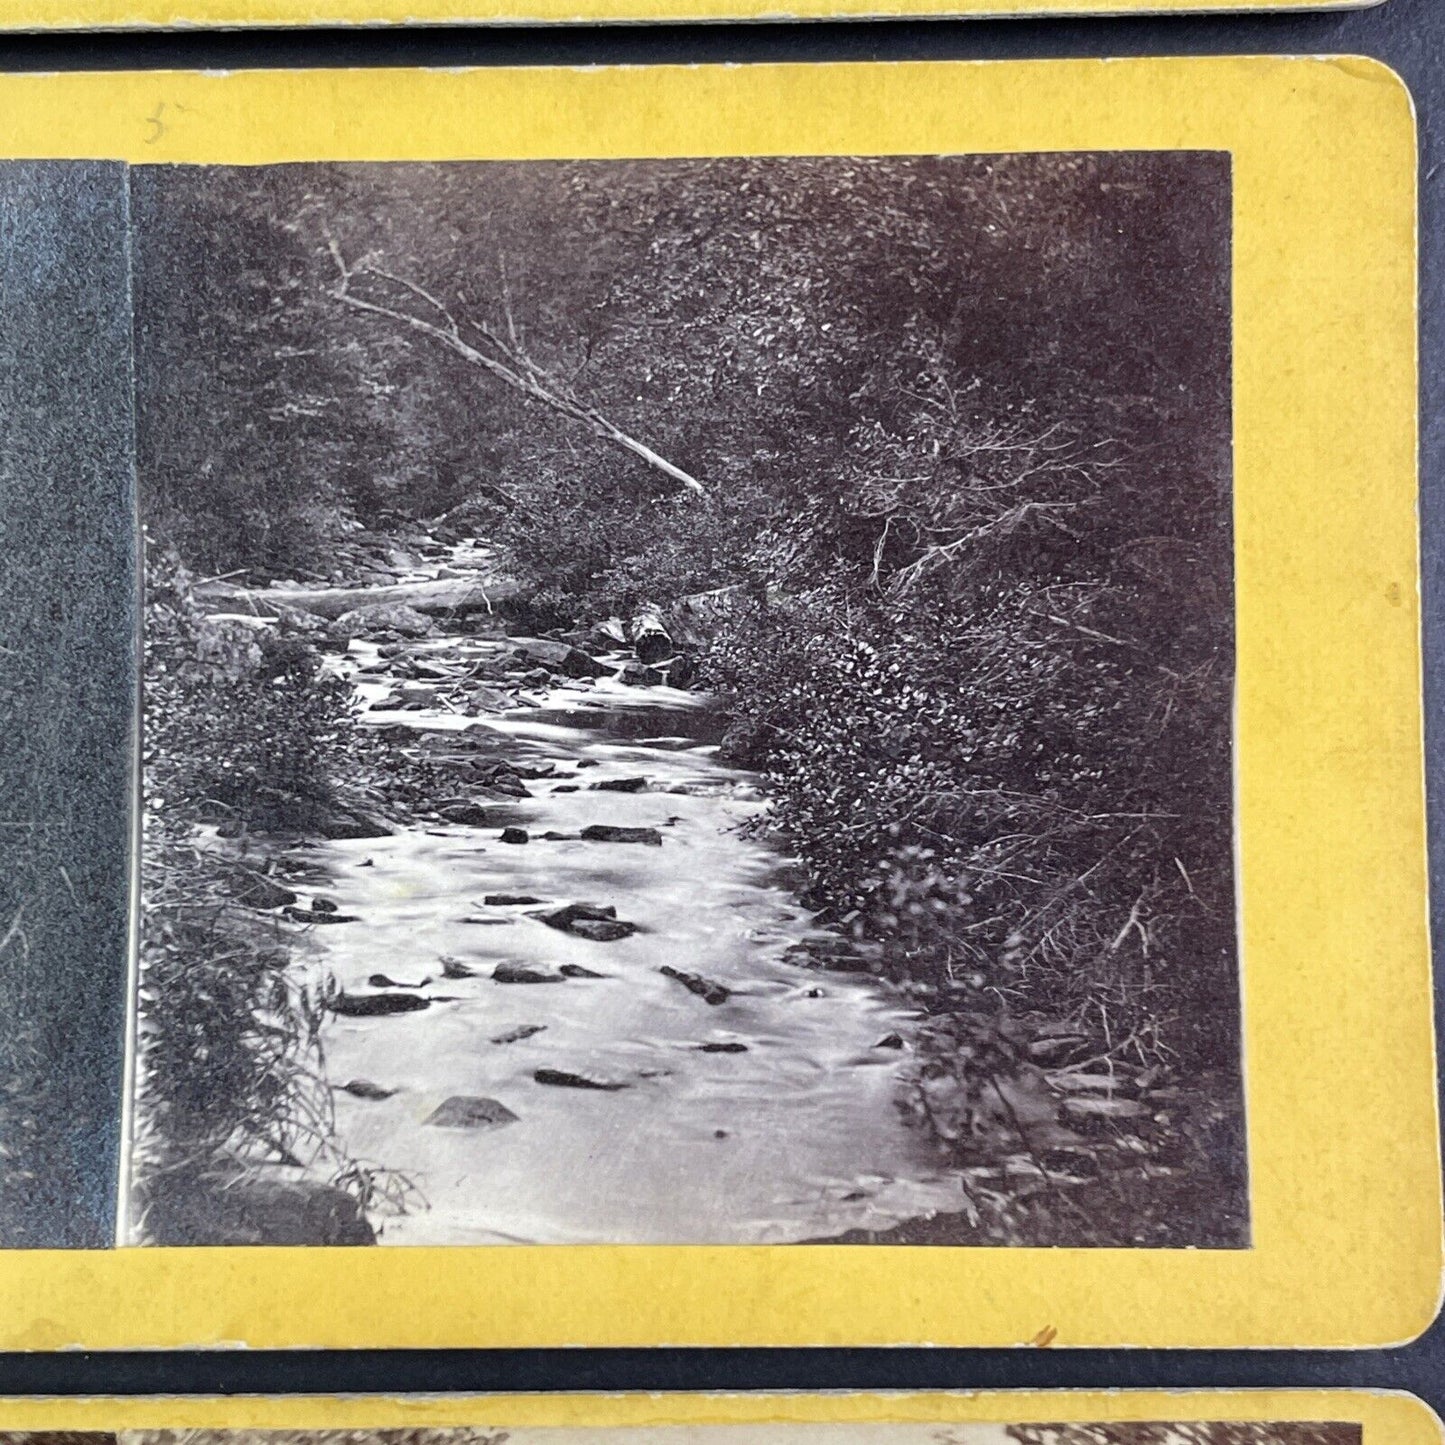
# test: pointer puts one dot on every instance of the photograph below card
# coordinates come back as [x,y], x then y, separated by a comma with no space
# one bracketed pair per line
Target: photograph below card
[1064,1418]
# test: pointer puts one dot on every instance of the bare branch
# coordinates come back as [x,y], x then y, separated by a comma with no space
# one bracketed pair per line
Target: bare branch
[510,365]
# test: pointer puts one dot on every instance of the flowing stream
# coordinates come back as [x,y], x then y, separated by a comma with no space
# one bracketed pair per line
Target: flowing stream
[769,1117]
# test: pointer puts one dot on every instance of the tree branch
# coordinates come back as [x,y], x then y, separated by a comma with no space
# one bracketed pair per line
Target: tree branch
[511,365]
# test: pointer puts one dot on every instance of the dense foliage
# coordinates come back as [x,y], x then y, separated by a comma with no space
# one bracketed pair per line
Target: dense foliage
[242,731]
[763,323]
[999,737]
[962,426]
[239,719]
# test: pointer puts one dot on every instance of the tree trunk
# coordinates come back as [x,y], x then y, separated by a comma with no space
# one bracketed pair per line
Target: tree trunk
[649,637]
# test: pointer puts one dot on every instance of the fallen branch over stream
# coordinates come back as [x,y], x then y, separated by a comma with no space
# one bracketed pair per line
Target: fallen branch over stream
[506,360]
[452,596]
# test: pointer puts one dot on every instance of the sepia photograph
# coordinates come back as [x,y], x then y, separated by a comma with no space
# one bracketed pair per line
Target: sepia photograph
[688,701]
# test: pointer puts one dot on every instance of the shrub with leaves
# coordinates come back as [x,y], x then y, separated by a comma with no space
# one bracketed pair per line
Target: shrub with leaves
[238,718]
[231,1070]
[230,1064]
[995,742]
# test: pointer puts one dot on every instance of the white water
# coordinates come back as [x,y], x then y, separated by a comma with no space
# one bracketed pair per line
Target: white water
[798,1137]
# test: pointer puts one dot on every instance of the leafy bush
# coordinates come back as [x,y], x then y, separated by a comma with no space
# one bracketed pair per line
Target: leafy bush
[238,718]
[230,1065]
[611,547]
[241,725]
[990,744]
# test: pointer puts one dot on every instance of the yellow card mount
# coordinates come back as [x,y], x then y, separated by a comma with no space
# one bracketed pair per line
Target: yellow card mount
[1185,1417]
[781,706]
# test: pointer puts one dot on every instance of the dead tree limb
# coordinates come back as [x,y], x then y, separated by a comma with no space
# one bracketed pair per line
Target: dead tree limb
[444,597]
[510,364]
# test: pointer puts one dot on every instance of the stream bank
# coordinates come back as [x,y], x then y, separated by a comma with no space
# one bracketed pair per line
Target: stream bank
[574,997]
[574,1002]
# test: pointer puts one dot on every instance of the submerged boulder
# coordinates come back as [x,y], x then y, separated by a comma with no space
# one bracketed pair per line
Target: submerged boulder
[682,671]
[523,973]
[603,930]
[469,1111]
[707,989]
[568,1079]
[454,968]
[469,815]
[338,823]
[638,674]
[483,698]
[605,636]
[560,657]
[377,1005]
[608,833]
[569,913]
[594,921]
[381,617]
[504,786]
[309,915]
[522,1031]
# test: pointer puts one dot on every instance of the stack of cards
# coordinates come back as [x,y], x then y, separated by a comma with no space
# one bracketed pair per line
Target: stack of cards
[717,706]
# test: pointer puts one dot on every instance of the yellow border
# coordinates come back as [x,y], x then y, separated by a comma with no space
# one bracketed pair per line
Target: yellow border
[1339,1047]
[1388,1418]
[153,14]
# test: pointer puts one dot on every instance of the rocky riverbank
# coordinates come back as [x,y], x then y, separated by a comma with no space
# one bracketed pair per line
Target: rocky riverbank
[570,995]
